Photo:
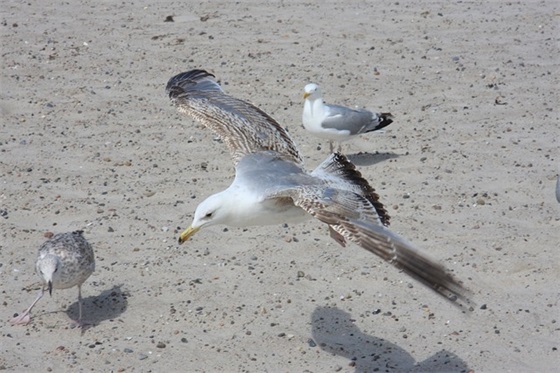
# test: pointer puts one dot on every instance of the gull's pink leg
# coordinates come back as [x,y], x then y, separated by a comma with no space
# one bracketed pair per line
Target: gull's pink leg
[25,317]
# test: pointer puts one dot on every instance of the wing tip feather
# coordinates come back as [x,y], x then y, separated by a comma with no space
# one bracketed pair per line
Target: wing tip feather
[181,82]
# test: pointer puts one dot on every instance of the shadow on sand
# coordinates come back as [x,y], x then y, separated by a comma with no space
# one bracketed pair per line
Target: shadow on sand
[369,159]
[108,305]
[334,331]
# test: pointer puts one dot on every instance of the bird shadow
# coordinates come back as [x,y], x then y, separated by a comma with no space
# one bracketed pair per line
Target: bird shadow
[334,331]
[369,159]
[108,305]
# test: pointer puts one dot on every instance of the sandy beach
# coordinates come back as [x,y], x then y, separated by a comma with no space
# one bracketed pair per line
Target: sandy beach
[90,141]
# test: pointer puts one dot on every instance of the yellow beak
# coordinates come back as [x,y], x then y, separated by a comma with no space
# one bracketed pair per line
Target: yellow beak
[187,233]
[305,95]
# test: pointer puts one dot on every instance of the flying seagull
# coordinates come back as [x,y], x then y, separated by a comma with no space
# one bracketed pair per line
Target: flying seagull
[338,123]
[271,185]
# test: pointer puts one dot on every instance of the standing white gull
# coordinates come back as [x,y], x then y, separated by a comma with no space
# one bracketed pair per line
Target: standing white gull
[64,261]
[272,187]
[338,123]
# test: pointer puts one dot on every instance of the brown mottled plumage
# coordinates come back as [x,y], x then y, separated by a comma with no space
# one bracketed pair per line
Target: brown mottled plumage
[64,261]
[272,187]
[244,128]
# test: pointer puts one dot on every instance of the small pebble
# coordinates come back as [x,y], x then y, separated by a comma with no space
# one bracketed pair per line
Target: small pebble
[142,356]
[161,345]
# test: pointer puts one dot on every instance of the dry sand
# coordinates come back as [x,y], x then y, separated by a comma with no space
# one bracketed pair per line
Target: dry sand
[468,171]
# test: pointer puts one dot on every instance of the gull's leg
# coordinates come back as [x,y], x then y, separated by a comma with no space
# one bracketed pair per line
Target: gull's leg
[331,147]
[80,323]
[340,147]
[80,303]
[25,317]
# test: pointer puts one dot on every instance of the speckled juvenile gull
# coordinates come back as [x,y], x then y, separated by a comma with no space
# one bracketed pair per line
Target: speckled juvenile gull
[338,123]
[64,261]
[271,185]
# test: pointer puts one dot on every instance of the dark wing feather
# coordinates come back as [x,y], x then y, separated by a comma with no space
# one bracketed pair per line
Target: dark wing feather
[242,126]
[338,172]
[350,215]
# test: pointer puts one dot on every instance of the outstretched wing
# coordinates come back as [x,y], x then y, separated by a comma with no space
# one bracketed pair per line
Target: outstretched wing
[243,127]
[338,172]
[353,217]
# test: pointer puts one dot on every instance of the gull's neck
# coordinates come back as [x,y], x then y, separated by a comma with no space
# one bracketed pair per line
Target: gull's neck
[313,114]
[316,106]
[243,208]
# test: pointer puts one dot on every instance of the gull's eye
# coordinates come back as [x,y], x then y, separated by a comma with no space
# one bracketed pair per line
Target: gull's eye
[208,215]
[56,269]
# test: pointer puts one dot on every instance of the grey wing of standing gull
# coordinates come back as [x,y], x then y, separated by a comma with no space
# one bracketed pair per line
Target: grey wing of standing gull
[356,121]
[242,126]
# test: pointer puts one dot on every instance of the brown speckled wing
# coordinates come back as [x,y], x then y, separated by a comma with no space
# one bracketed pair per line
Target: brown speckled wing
[242,126]
[352,217]
[338,172]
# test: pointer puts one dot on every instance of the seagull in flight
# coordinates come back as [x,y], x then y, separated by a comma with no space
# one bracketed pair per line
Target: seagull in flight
[272,186]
